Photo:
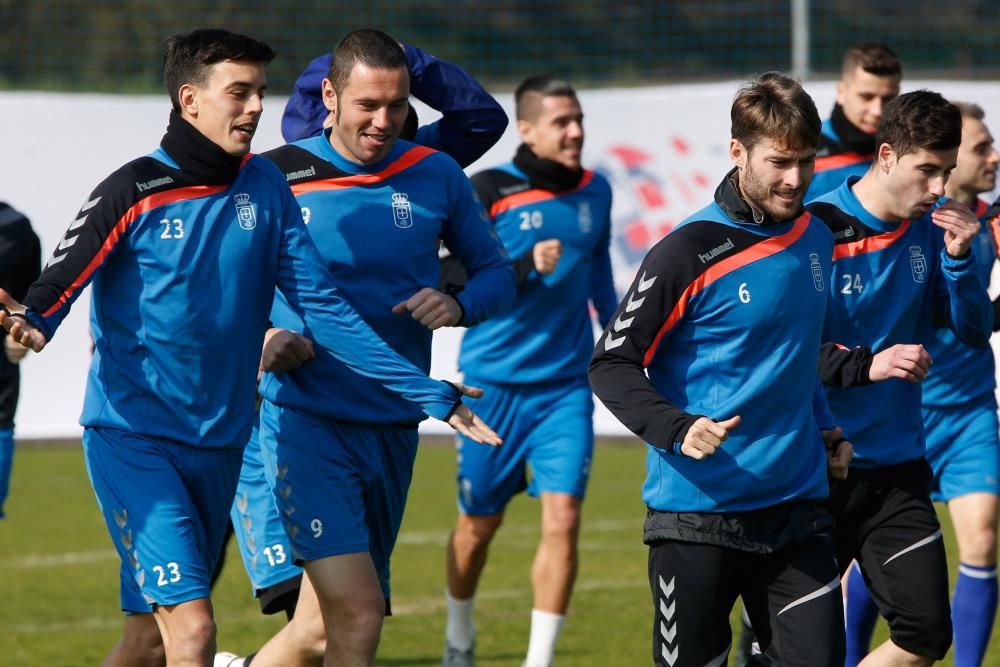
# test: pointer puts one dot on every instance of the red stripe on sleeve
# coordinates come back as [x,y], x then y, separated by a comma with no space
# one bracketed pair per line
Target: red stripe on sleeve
[404,162]
[755,252]
[870,244]
[528,197]
[139,208]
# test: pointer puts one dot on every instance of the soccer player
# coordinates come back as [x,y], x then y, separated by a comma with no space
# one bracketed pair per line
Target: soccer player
[725,316]
[895,274]
[340,449]
[870,75]
[554,217]
[185,247]
[960,425]
[472,121]
[20,262]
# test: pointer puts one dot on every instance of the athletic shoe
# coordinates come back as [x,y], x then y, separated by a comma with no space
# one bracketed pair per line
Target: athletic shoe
[454,657]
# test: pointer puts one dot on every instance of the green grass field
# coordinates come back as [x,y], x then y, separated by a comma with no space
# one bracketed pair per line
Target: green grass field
[59,597]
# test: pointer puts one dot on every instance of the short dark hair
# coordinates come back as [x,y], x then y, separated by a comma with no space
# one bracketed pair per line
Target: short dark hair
[873,57]
[372,48]
[775,107]
[533,89]
[921,119]
[189,58]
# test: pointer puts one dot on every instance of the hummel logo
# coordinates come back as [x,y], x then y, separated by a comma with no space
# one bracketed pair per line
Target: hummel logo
[716,251]
[156,182]
[302,173]
[121,519]
[242,502]
[511,189]
[669,656]
[280,471]
[126,539]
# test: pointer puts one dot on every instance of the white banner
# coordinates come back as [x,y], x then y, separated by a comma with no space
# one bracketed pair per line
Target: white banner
[664,149]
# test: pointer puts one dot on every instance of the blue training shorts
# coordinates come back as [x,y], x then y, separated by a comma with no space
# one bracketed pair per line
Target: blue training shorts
[166,506]
[339,486]
[546,428]
[264,545]
[963,449]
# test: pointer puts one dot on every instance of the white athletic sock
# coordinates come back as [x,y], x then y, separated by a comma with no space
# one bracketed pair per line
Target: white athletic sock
[545,629]
[460,632]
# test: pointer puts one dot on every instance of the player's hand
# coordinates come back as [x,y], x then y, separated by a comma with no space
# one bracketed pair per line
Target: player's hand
[431,308]
[546,255]
[13,350]
[838,454]
[285,350]
[468,423]
[960,227]
[705,436]
[20,329]
[907,362]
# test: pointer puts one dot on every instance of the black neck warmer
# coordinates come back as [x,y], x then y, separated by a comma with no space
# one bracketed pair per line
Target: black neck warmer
[850,136]
[197,155]
[545,174]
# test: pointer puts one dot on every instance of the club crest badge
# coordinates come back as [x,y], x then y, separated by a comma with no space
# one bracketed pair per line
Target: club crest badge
[402,216]
[918,264]
[244,211]
[817,271]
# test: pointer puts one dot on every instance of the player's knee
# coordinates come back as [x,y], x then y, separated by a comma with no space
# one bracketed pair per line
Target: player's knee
[361,618]
[561,522]
[978,546]
[477,531]
[194,636]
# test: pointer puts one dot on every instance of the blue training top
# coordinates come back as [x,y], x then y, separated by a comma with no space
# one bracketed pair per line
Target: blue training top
[377,228]
[889,280]
[183,281]
[546,335]
[723,319]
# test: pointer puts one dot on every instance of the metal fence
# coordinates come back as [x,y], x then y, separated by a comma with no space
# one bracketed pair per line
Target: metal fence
[116,45]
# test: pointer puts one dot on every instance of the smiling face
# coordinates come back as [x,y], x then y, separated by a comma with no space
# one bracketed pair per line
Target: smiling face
[915,181]
[556,132]
[976,167]
[227,107]
[368,113]
[773,178]
[863,96]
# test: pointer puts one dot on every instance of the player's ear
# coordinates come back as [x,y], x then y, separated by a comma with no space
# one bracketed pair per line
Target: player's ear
[187,96]
[886,158]
[738,153]
[526,130]
[329,95]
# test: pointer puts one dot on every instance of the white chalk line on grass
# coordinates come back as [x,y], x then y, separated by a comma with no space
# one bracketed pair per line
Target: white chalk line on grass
[418,607]
[433,537]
